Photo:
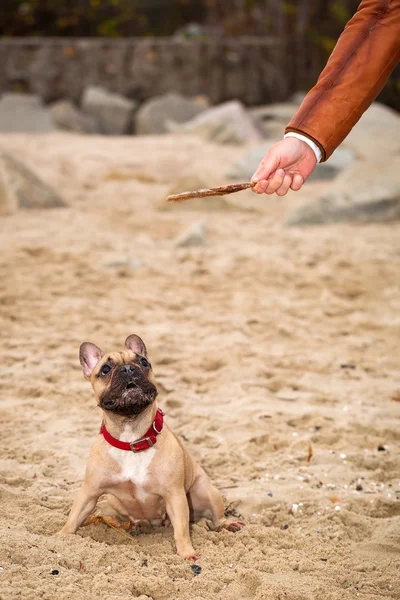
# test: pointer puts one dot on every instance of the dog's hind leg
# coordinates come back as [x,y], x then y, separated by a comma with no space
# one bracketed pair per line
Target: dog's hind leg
[205,501]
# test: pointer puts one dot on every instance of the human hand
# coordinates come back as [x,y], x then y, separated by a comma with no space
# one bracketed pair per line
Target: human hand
[287,164]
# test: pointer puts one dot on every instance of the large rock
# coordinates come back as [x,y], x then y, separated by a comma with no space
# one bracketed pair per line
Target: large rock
[227,123]
[194,237]
[152,116]
[270,120]
[21,188]
[66,116]
[281,112]
[24,113]
[113,112]
[367,191]
[376,135]
[298,97]
[247,164]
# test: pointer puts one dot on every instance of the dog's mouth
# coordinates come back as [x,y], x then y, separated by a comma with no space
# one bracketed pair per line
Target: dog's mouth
[129,397]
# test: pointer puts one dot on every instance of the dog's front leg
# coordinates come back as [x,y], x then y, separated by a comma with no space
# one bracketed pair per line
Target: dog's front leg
[83,504]
[178,513]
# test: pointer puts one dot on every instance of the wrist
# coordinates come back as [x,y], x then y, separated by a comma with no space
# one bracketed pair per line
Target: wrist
[308,141]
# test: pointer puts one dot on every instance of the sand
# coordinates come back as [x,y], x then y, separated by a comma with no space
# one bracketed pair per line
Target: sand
[269,344]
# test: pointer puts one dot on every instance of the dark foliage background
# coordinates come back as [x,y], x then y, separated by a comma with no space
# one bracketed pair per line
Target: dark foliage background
[311,27]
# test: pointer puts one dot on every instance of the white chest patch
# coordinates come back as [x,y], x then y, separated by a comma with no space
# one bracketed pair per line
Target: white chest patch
[134,465]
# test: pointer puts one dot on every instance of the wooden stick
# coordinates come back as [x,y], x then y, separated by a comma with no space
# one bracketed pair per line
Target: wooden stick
[216,191]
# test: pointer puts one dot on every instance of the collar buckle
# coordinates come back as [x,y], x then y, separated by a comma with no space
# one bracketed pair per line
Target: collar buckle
[143,439]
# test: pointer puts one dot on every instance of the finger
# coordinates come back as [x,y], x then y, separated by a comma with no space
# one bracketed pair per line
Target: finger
[297,183]
[284,187]
[266,167]
[275,182]
[260,187]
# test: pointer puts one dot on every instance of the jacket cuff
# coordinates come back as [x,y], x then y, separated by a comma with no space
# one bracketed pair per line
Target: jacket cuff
[309,137]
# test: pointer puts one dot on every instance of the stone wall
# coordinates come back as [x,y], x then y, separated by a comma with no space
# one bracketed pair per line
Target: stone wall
[253,70]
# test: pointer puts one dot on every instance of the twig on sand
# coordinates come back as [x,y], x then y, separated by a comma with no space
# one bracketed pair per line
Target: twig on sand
[310,453]
[108,521]
[216,191]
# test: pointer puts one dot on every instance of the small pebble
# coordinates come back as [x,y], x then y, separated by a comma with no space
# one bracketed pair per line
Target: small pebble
[337,507]
[347,366]
[381,448]
[270,495]
[196,569]
[342,455]
[54,572]
[359,487]
[286,526]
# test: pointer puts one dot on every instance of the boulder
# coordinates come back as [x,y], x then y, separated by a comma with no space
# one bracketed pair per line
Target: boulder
[152,116]
[21,188]
[113,112]
[281,112]
[189,183]
[24,113]
[246,165]
[66,116]
[194,237]
[227,123]
[377,134]
[298,97]
[366,192]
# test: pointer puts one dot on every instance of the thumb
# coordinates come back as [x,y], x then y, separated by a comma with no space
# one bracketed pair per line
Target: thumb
[267,167]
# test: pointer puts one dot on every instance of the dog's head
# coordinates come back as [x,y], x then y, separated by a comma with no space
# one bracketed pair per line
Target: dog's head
[122,381]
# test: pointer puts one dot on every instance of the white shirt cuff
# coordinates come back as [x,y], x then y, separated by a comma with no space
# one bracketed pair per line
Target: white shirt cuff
[303,138]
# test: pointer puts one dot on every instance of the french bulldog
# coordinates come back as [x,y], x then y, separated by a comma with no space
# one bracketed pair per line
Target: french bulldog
[137,460]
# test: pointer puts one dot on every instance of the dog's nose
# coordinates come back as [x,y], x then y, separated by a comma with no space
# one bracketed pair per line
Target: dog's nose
[129,369]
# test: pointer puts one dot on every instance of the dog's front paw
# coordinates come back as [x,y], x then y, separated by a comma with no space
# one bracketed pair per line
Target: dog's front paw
[63,532]
[187,552]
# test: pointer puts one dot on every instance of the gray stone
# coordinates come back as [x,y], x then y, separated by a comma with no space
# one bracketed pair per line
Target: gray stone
[126,263]
[298,97]
[366,192]
[377,134]
[247,164]
[24,113]
[227,123]
[112,111]
[152,116]
[21,188]
[281,112]
[194,237]
[66,116]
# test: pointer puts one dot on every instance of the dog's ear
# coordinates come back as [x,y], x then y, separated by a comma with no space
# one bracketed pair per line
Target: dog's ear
[136,344]
[89,356]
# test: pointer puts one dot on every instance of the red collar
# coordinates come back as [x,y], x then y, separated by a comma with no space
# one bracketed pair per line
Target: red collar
[144,443]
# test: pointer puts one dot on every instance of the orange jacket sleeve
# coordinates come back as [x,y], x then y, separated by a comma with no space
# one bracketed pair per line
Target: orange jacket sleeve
[358,68]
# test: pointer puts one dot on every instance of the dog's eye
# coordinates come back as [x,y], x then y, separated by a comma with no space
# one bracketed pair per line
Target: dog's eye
[105,369]
[144,363]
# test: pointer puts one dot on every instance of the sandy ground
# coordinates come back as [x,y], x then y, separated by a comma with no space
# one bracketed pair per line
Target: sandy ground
[249,338]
